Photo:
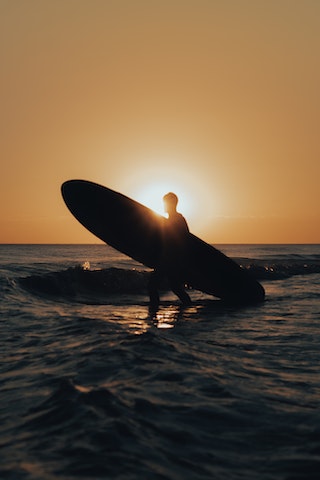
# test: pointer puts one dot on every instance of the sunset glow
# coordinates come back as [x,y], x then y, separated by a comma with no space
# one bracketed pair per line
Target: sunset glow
[152,195]
[217,101]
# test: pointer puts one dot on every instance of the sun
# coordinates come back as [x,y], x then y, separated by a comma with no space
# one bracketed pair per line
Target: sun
[152,195]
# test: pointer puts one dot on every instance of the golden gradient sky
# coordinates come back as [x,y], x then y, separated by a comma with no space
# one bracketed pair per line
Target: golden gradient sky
[217,100]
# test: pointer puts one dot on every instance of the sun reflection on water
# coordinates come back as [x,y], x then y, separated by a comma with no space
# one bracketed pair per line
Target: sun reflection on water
[168,317]
[165,318]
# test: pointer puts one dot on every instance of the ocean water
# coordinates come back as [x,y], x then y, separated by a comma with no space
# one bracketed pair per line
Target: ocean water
[93,386]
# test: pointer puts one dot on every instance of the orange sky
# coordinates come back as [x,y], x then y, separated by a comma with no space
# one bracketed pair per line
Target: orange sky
[218,100]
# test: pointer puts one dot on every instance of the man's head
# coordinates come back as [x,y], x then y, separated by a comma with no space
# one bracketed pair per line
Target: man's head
[170,201]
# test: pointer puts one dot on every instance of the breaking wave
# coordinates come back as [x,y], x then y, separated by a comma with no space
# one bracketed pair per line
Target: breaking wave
[78,281]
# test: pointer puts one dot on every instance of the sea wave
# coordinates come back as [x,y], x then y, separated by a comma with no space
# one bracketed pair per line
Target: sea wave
[109,430]
[94,386]
[276,271]
[80,280]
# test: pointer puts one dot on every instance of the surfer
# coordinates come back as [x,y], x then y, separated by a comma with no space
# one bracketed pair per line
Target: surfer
[174,249]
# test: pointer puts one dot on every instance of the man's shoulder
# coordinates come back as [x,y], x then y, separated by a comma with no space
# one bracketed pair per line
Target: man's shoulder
[181,221]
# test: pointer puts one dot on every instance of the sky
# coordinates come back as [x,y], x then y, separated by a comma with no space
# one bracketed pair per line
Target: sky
[216,100]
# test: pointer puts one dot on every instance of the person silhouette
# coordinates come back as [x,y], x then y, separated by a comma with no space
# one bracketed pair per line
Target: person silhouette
[173,254]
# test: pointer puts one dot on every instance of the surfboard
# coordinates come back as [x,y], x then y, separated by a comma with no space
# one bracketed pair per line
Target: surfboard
[136,230]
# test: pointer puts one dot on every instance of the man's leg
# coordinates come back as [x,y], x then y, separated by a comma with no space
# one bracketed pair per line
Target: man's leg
[178,289]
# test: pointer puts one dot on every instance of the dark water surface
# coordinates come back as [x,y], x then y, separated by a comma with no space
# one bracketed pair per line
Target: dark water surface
[94,387]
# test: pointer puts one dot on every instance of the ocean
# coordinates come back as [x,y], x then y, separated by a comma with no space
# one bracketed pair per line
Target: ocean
[93,386]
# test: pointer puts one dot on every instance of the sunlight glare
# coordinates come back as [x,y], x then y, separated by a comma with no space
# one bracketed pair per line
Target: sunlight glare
[152,195]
